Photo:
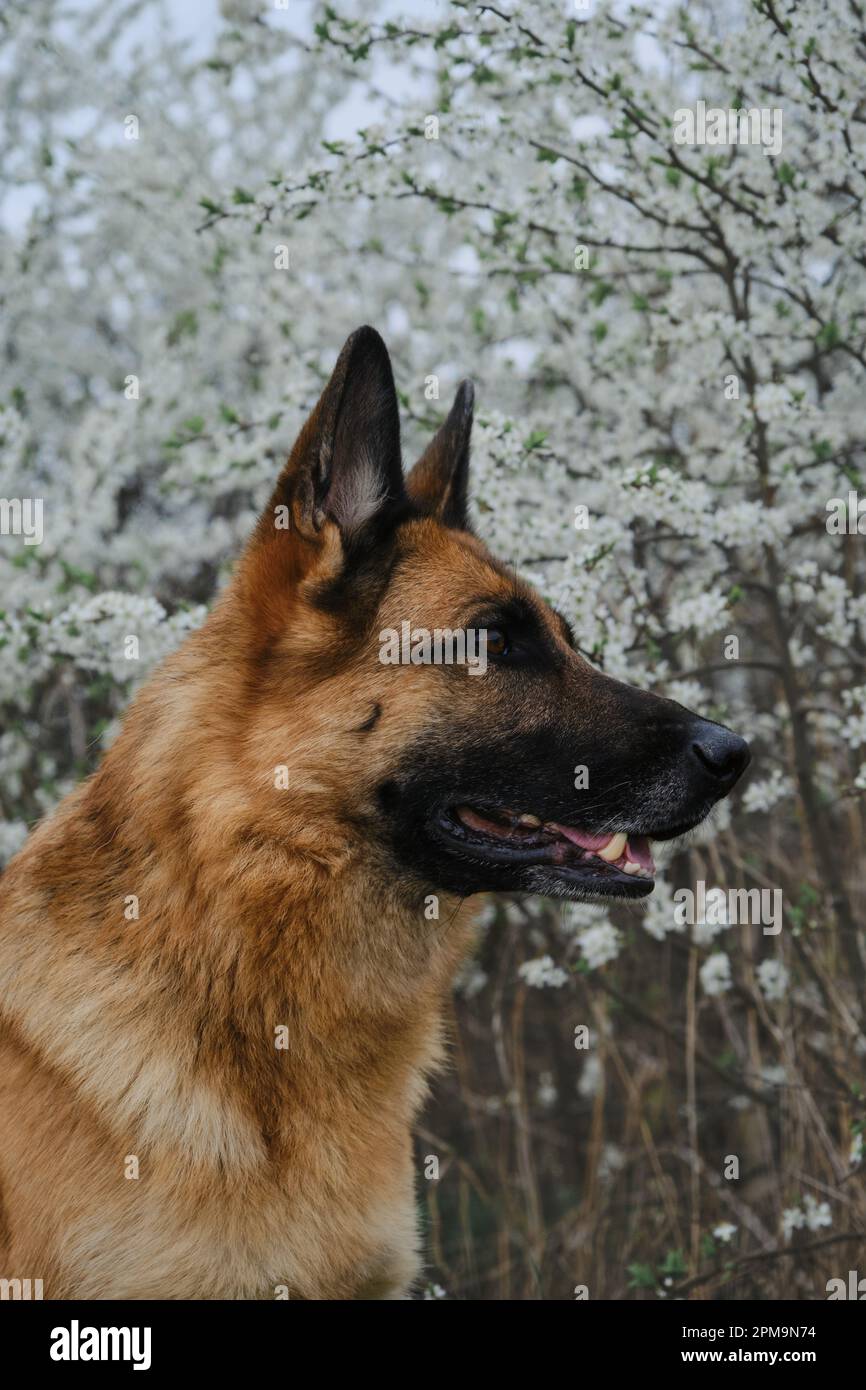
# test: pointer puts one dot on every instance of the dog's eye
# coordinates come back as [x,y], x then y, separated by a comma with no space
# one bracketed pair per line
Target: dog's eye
[497,642]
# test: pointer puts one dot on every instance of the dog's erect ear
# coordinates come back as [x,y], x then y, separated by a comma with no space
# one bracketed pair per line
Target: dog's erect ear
[345,466]
[439,482]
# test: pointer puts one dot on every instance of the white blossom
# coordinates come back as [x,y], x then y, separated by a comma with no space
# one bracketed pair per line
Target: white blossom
[546,1093]
[591,1076]
[706,612]
[817,1214]
[542,972]
[600,944]
[763,795]
[725,1232]
[773,979]
[774,1075]
[660,917]
[715,974]
[793,1219]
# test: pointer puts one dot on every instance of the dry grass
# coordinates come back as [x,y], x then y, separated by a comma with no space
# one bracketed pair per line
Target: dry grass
[617,1183]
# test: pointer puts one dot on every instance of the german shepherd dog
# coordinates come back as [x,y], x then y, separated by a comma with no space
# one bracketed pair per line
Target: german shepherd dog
[222,984]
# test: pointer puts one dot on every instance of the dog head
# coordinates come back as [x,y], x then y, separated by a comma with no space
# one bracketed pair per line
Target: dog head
[535,773]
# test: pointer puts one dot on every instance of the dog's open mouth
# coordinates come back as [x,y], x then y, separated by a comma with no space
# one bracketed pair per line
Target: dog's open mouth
[612,863]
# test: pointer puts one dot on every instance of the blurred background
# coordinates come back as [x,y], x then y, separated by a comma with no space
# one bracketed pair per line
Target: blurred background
[197,204]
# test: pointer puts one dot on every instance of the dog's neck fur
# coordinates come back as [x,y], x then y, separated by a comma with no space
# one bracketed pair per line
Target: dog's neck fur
[295,918]
[183,914]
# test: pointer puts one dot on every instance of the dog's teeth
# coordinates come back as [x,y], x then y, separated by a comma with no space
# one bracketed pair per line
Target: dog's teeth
[531,821]
[630,868]
[613,849]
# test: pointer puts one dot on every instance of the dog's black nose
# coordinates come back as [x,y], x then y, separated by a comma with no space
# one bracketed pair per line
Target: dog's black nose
[721,754]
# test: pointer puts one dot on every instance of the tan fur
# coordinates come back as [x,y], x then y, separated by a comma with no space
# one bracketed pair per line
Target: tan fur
[259,907]
[261,1169]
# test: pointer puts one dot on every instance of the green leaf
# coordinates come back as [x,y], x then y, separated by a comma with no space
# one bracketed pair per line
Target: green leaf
[185,325]
[641,1277]
[829,336]
[674,1264]
[446,35]
[73,575]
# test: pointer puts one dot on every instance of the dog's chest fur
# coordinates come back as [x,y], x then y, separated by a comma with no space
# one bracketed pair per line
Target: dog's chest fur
[213,1100]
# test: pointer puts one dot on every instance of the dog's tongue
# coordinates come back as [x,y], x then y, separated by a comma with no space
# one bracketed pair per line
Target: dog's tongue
[636,848]
[582,837]
[638,851]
